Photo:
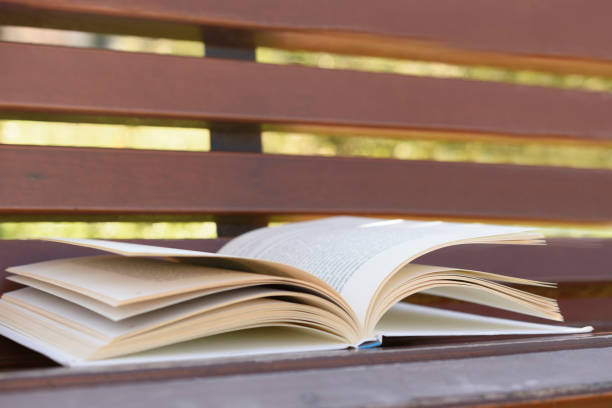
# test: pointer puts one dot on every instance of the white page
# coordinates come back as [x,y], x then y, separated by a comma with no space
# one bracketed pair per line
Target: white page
[130,249]
[354,255]
[405,320]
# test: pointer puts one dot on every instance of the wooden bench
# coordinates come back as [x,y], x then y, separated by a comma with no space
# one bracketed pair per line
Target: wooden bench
[240,188]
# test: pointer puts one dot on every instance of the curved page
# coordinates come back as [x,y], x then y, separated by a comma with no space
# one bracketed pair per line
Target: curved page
[354,255]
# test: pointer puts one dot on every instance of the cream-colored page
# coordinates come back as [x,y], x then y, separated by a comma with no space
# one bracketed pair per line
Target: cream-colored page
[119,280]
[250,342]
[355,255]
[269,340]
[224,261]
[215,260]
[482,297]
[471,286]
[99,327]
[114,313]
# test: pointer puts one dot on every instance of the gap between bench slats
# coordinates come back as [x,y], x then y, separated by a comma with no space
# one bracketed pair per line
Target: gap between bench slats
[110,83]
[516,34]
[62,180]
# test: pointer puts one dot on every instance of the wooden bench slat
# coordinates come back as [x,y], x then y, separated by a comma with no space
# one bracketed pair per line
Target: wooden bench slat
[415,350]
[62,180]
[516,34]
[96,82]
[564,376]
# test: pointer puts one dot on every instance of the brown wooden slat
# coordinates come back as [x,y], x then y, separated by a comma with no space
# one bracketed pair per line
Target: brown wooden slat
[57,180]
[108,83]
[561,260]
[511,378]
[565,35]
[417,350]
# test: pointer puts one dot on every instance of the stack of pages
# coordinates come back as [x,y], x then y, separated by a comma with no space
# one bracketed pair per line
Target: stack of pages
[317,285]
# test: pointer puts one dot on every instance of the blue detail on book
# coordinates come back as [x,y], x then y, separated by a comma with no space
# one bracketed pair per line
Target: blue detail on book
[370,344]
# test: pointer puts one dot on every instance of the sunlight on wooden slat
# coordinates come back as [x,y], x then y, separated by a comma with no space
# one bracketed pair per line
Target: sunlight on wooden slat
[103,135]
[543,154]
[113,42]
[108,230]
[433,69]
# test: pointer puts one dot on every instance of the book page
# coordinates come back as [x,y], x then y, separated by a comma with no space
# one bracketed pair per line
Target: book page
[354,255]
[250,342]
[241,343]
[214,314]
[492,299]
[129,248]
[103,329]
[114,313]
[118,280]
[208,259]
[406,320]
[217,260]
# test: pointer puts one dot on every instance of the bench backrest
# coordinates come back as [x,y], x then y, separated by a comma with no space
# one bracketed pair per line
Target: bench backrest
[237,98]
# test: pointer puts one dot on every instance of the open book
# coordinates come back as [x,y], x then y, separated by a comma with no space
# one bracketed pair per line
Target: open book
[317,285]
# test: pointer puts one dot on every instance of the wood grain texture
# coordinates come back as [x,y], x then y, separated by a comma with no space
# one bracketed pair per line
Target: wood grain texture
[549,35]
[537,376]
[56,180]
[127,85]
[416,350]
[561,260]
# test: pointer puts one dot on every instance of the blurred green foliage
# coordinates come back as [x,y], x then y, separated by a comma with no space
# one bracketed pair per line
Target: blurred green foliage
[566,155]
[108,230]
[433,69]
[421,148]
[102,135]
